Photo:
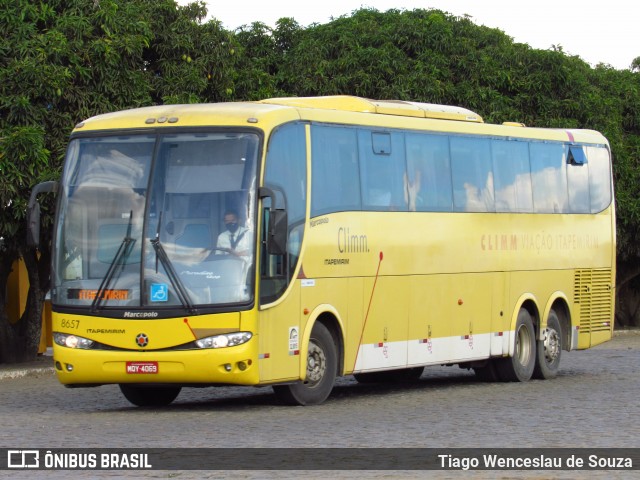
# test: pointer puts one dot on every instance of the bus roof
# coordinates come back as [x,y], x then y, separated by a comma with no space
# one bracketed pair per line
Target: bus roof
[335,108]
[384,107]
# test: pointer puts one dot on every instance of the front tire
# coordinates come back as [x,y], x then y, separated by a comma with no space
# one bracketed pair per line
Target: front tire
[549,349]
[519,367]
[322,368]
[142,396]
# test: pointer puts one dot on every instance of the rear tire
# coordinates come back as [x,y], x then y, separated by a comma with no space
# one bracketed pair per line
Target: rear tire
[549,349]
[142,396]
[322,368]
[519,368]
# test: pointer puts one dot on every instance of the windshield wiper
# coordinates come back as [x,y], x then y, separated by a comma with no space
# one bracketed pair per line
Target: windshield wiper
[161,254]
[119,259]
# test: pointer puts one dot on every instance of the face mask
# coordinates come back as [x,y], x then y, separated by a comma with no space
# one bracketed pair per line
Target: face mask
[232,227]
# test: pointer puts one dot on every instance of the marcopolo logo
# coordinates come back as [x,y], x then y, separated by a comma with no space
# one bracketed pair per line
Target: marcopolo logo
[142,340]
[140,314]
[23,459]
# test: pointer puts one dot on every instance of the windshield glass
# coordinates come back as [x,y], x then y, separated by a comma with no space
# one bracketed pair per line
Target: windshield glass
[157,221]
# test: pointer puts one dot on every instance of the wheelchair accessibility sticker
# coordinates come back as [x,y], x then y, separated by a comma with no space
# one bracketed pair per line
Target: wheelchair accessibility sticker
[159,292]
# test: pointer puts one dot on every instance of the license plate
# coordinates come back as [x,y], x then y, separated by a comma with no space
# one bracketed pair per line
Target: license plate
[142,367]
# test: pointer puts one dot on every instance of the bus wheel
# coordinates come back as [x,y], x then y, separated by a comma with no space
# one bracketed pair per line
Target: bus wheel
[404,375]
[549,349]
[149,396]
[519,368]
[322,366]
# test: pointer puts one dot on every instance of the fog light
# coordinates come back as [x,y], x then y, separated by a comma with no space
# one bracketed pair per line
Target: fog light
[69,367]
[227,367]
[242,366]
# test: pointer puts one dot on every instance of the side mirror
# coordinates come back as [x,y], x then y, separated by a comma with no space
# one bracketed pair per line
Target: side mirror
[276,235]
[33,211]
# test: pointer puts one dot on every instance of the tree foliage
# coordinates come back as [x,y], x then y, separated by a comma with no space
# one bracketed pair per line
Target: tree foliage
[61,61]
[64,60]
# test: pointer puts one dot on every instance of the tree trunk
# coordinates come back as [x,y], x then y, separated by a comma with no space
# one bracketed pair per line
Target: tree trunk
[6,260]
[628,293]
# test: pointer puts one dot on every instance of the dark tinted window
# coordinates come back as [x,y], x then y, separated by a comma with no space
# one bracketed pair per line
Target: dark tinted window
[335,184]
[382,169]
[472,174]
[428,180]
[512,176]
[549,177]
[360,168]
[599,178]
[286,175]
[578,181]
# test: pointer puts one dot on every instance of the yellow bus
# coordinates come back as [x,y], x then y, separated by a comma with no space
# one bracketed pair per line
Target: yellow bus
[290,241]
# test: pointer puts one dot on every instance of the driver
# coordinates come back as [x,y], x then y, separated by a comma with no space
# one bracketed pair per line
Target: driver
[236,239]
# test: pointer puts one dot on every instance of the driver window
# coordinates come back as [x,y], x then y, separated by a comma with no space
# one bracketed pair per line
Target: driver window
[286,175]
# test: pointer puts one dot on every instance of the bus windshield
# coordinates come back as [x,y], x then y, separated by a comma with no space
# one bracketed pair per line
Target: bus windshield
[157,221]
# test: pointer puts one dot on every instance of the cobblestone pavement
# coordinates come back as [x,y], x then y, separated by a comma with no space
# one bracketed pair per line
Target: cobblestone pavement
[592,403]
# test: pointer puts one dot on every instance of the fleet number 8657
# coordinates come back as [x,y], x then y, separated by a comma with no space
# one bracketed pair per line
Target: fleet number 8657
[70,323]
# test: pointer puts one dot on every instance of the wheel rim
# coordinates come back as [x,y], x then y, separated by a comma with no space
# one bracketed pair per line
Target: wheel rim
[551,345]
[316,364]
[523,345]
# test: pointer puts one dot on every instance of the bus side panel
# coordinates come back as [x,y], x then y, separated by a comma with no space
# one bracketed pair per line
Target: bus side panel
[429,319]
[280,329]
[384,336]
[589,293]
[541,285]
[354,321]
[594,305]
[600,337]
[329,296]
[471,297]
[500,318]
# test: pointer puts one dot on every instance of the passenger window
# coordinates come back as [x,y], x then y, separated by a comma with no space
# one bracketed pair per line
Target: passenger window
[512,176]
[578,181]
[472,175]
[428,179]
[599,178]
[335,184]
[549,177]
[382,170]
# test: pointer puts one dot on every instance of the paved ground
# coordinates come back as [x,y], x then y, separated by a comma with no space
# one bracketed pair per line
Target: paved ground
[41,364]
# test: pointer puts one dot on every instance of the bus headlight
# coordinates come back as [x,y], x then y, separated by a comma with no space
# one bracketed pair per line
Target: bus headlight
[72,341]
[226,340]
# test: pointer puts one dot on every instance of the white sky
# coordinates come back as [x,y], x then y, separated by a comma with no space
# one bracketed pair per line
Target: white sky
[598,32]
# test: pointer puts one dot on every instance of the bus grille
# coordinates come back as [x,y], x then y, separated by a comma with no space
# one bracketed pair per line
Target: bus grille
[593,294]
